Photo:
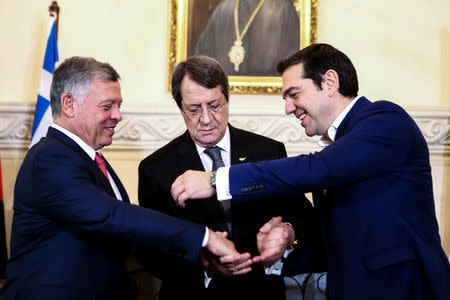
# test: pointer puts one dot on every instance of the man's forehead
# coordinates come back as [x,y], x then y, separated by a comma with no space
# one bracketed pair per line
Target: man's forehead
[294,71]
[193,93]
[292,76]
[105,91]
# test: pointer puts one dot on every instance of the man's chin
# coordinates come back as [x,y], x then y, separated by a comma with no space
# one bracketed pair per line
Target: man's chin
[207,142]
[310,134]
[105,143]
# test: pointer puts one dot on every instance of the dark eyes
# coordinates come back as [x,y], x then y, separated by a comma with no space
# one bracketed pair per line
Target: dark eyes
[214,108]
[195,110]
[294,95]
[110,106]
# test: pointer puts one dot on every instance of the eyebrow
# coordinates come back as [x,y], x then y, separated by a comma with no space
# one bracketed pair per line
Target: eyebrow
[111,101]
[207,103]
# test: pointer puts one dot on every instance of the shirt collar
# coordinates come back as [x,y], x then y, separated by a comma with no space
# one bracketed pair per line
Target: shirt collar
[329,137]
[224,143]
[88,149]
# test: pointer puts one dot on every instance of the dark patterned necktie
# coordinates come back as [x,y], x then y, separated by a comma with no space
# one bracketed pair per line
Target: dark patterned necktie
[214,154]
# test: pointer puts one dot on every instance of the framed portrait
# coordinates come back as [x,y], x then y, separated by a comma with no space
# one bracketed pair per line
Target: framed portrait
[247,37]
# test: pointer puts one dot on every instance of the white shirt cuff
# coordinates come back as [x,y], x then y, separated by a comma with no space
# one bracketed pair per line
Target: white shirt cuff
[207,280]
[205,238]
[276,268]
[223,184]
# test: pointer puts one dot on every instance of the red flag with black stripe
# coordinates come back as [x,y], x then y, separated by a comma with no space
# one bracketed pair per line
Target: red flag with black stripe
[3,255]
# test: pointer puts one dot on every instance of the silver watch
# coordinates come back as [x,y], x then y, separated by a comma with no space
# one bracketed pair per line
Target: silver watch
[212,179]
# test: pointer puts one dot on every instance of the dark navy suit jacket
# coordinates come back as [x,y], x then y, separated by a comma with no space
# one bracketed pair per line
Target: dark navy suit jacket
[182,280]
[378,211]
[70,234]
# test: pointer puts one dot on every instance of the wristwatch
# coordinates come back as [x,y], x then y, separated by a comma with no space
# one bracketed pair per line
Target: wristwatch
[212,179]
[293,245]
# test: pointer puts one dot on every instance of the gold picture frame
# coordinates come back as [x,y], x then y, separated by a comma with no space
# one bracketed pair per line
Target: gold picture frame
[179,28]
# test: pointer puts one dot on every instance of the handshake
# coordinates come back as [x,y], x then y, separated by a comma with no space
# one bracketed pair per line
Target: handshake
[221,257]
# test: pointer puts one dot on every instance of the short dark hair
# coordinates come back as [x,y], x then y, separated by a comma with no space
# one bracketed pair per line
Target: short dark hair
[74,77]
[319,58]
[204,70]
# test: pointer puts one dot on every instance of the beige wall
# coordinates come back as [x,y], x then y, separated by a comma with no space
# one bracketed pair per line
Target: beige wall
[401,50]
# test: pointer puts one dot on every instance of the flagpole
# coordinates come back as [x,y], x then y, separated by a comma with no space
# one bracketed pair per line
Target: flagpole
[54,10]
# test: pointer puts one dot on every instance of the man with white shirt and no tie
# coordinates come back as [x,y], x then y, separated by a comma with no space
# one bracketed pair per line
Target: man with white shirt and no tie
[378,212]
[200,89]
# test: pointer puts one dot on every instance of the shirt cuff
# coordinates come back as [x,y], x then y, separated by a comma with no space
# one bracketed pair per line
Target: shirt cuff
[206,280]
[277,267]
[223,184]
[205,238]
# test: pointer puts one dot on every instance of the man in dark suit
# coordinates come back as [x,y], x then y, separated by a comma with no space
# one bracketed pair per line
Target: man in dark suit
[200,89]
[378,209]
[73,221]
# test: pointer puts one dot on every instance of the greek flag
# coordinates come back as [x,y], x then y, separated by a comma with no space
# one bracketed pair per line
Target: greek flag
[43,115]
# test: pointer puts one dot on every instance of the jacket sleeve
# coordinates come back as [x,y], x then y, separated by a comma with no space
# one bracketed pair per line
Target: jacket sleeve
[153,194]
[377,144]
[69,193]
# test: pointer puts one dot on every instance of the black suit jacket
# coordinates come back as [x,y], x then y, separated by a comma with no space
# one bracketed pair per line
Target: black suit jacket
[158,171]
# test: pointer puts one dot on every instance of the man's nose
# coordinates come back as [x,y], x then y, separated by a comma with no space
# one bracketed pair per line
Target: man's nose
[116,114]
[205,117]
[289,107]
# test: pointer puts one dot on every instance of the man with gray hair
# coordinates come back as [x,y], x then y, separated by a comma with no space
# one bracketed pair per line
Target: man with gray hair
[73,222]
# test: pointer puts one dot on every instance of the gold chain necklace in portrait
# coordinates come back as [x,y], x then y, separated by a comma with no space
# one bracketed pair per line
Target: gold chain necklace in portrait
[237,51]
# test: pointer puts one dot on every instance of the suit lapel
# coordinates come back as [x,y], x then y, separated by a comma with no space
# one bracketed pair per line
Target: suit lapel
[56,134]
[322,197]
[61,137]
[118,183]
[188,155]
[238,147]
[347,122]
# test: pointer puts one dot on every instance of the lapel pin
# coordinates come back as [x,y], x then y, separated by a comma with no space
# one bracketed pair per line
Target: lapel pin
[242,158]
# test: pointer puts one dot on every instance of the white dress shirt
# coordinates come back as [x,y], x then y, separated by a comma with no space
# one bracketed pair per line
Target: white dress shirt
[224,145]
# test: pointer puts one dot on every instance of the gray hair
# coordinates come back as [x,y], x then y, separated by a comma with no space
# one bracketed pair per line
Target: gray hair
[74,77]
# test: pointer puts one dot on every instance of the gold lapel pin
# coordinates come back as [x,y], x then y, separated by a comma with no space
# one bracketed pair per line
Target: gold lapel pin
[242,158]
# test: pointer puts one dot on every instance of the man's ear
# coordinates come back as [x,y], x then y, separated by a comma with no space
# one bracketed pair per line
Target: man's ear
[67,103]
[330,82]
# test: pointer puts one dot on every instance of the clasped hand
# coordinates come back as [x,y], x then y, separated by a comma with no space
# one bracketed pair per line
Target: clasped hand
[222,257]
[272,240]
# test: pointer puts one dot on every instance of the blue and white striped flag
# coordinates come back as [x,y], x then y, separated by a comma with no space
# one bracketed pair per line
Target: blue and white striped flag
[43,115]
